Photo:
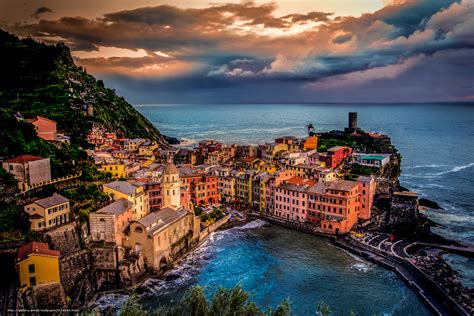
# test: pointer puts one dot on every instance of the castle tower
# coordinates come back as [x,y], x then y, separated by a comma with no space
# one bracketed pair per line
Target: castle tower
[353,121]
[171,186]
[352,126]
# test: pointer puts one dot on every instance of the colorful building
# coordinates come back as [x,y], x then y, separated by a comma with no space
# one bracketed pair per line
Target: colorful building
[131,192]
[45,128]
[109,222]
[203,188]
[334,205]
[291,199]
[117,170]
[311,143]
[336,155]
[367,187]
[37,264]
[48,213]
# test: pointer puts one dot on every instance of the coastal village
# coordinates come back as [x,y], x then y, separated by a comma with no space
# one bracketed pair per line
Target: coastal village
[156,203]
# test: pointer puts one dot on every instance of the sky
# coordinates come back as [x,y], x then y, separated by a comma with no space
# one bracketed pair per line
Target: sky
[284,51]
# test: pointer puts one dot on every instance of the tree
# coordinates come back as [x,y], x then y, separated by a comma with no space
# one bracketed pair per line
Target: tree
[224,302]
[132,307]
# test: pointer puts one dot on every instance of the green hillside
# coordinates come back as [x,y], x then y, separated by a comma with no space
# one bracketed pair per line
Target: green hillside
[41,79]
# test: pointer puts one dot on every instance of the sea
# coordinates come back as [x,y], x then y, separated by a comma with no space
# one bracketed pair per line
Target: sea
[273,263]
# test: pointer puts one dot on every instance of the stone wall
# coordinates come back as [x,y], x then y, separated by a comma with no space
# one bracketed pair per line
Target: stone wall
[64,238]
[205,232]
[74,267]
[104,257]
[131,269]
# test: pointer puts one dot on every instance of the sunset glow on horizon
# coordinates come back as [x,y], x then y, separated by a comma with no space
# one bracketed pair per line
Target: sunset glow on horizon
[309,49]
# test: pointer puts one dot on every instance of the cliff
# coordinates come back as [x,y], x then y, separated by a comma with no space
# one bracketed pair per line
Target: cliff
[42,79]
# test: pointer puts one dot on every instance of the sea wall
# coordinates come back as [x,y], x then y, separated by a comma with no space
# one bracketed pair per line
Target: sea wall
[211,228]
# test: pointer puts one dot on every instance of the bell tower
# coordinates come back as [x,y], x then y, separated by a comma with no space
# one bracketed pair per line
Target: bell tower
[171,186]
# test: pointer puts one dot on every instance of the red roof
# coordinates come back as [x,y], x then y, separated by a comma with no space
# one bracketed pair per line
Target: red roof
[35,248]
[36,118]
[23,159]
[249,159]
[301,181]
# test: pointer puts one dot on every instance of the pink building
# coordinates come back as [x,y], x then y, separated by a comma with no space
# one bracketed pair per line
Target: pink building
[367,187]
[272,183]
[108,223]
[45,128]
[291,199]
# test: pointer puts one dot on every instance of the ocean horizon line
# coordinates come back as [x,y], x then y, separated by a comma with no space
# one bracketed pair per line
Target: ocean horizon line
[457,103]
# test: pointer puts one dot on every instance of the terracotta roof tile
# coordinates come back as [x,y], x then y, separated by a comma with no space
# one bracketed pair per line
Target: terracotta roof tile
[35,248]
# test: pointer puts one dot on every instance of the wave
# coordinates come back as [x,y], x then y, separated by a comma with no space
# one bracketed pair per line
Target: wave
[361,267]
[426,166]
[251,225]
[184,142]
[431,175]
[453,170]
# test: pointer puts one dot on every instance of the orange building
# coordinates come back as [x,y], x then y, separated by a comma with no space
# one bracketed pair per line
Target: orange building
[45,128]
[334,205]
[311,143]
[201,188]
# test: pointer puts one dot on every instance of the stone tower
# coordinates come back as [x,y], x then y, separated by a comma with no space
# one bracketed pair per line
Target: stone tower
[352,126]
[171,186]
[353,121]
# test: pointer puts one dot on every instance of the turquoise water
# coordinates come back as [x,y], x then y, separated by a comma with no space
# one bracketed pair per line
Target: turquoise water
[275,263]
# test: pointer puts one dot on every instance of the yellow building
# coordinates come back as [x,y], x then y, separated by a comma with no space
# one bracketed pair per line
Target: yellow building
[279,148]
[134,193]
[147,148]
[226,185]
[37,264]
[48,212]
[311,143]
[116,169]
[263,192]
[243,186]
[267,167]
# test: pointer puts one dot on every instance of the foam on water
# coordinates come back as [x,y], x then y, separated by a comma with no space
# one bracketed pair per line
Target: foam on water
[180,275]
[361,267]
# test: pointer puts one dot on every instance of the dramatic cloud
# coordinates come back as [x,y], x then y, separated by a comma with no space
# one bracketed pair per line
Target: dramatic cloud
[236,46]
[40,11]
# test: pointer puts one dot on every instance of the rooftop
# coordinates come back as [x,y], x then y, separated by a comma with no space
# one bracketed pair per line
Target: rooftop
[336,148]
[122,186]
[37,118]
[364,179]
[23,159]
[341,185]
[35,248]
[51,201]
[116,208]
[156,221]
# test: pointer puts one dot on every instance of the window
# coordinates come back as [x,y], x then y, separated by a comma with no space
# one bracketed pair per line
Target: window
[32,281]
[31,268]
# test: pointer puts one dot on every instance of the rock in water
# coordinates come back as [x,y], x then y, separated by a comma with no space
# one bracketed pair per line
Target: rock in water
[430,204]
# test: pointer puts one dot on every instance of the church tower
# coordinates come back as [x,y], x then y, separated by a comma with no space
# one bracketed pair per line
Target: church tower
[171,186]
